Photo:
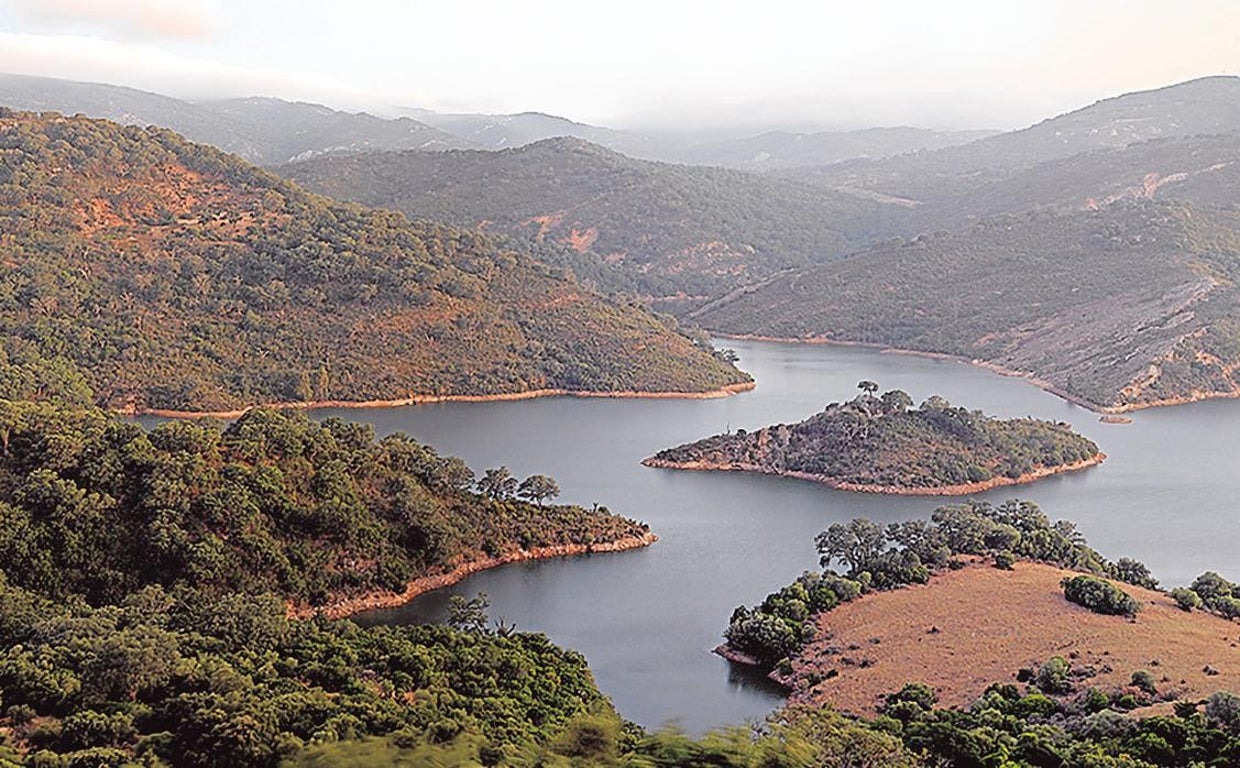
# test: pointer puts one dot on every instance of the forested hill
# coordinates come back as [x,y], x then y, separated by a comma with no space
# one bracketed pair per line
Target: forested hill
[662,229]
[1130,306]
[164,274]
[93,505]
[884,444]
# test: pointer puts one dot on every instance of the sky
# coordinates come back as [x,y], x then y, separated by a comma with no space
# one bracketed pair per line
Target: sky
[662,65]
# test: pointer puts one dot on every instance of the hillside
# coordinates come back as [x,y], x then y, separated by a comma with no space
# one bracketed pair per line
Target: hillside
[1127,307]
[1002,621]
[884,445]
[144,579]
[314,513]
[665,229]
[262,130]
[167,275]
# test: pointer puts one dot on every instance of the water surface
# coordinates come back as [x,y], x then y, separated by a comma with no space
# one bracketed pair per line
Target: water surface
[647,619]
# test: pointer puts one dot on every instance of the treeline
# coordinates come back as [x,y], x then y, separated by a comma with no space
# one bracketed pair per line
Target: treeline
[882,440]
[165,274]
[95,506]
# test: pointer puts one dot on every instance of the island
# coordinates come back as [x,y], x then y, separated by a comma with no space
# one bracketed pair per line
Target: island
[882,444]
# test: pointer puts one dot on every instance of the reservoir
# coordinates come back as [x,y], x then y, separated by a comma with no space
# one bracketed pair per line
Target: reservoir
[647,619]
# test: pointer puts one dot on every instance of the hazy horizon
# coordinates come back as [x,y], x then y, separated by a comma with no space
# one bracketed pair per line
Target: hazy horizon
[642,66]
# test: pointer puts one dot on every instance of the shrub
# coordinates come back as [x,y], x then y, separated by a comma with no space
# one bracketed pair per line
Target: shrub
[1052,676]
[1145,681]
[1004,560]
[1134,572]
[1099,596]
[1223,710]
[1186,598]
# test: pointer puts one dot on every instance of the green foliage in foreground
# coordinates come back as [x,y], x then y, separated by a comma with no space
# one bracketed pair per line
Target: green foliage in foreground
[883,441]
[1010,728]
[275,503]
[196,680]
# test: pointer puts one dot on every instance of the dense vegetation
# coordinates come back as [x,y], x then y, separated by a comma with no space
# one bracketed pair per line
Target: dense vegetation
[666,229]
[882,441]
[275,503]
[169,275]
[1134,304]
[1009,726]
[194,680]
[875,558]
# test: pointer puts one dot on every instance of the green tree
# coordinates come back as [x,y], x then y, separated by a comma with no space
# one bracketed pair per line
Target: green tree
[497,483]
[856,544]
[538,488]
[469,614]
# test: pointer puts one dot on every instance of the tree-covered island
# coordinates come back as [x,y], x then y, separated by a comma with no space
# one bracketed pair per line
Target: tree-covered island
[883,444]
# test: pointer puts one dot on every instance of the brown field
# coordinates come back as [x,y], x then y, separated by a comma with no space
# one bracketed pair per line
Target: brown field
[978,625]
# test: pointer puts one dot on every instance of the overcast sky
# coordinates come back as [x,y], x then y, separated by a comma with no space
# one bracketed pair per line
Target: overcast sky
[993,63]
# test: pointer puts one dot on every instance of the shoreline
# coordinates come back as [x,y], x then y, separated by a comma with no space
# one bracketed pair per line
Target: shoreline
[958,489]
[1195,397]
[343,607]
[724,391]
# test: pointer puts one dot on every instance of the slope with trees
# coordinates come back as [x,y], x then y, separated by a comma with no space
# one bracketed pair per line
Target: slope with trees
[665,229]
[275,503]
[1126,307]
[883,444]
[172,276]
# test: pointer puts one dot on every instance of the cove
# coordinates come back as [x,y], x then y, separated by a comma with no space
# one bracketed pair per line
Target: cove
[647,619]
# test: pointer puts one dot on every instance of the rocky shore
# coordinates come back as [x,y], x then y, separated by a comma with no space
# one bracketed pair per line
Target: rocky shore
[347,605]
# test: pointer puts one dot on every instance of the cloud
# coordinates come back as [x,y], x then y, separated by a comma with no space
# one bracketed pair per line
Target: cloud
[125,19]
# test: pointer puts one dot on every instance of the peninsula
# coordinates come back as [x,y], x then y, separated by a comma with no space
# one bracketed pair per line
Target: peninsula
[882,444]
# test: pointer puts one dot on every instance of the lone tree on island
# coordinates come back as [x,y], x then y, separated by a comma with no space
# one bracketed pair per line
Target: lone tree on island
[538,488]
[867,386]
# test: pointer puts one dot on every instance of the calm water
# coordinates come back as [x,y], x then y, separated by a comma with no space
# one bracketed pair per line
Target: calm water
[647,619]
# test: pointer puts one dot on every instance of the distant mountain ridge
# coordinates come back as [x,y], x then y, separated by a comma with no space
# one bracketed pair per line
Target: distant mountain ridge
[1126,307]
[1205,106]
[770,149]
[261,130]
[269,131]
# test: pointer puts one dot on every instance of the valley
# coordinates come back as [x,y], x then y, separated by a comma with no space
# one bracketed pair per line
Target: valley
[339,438]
